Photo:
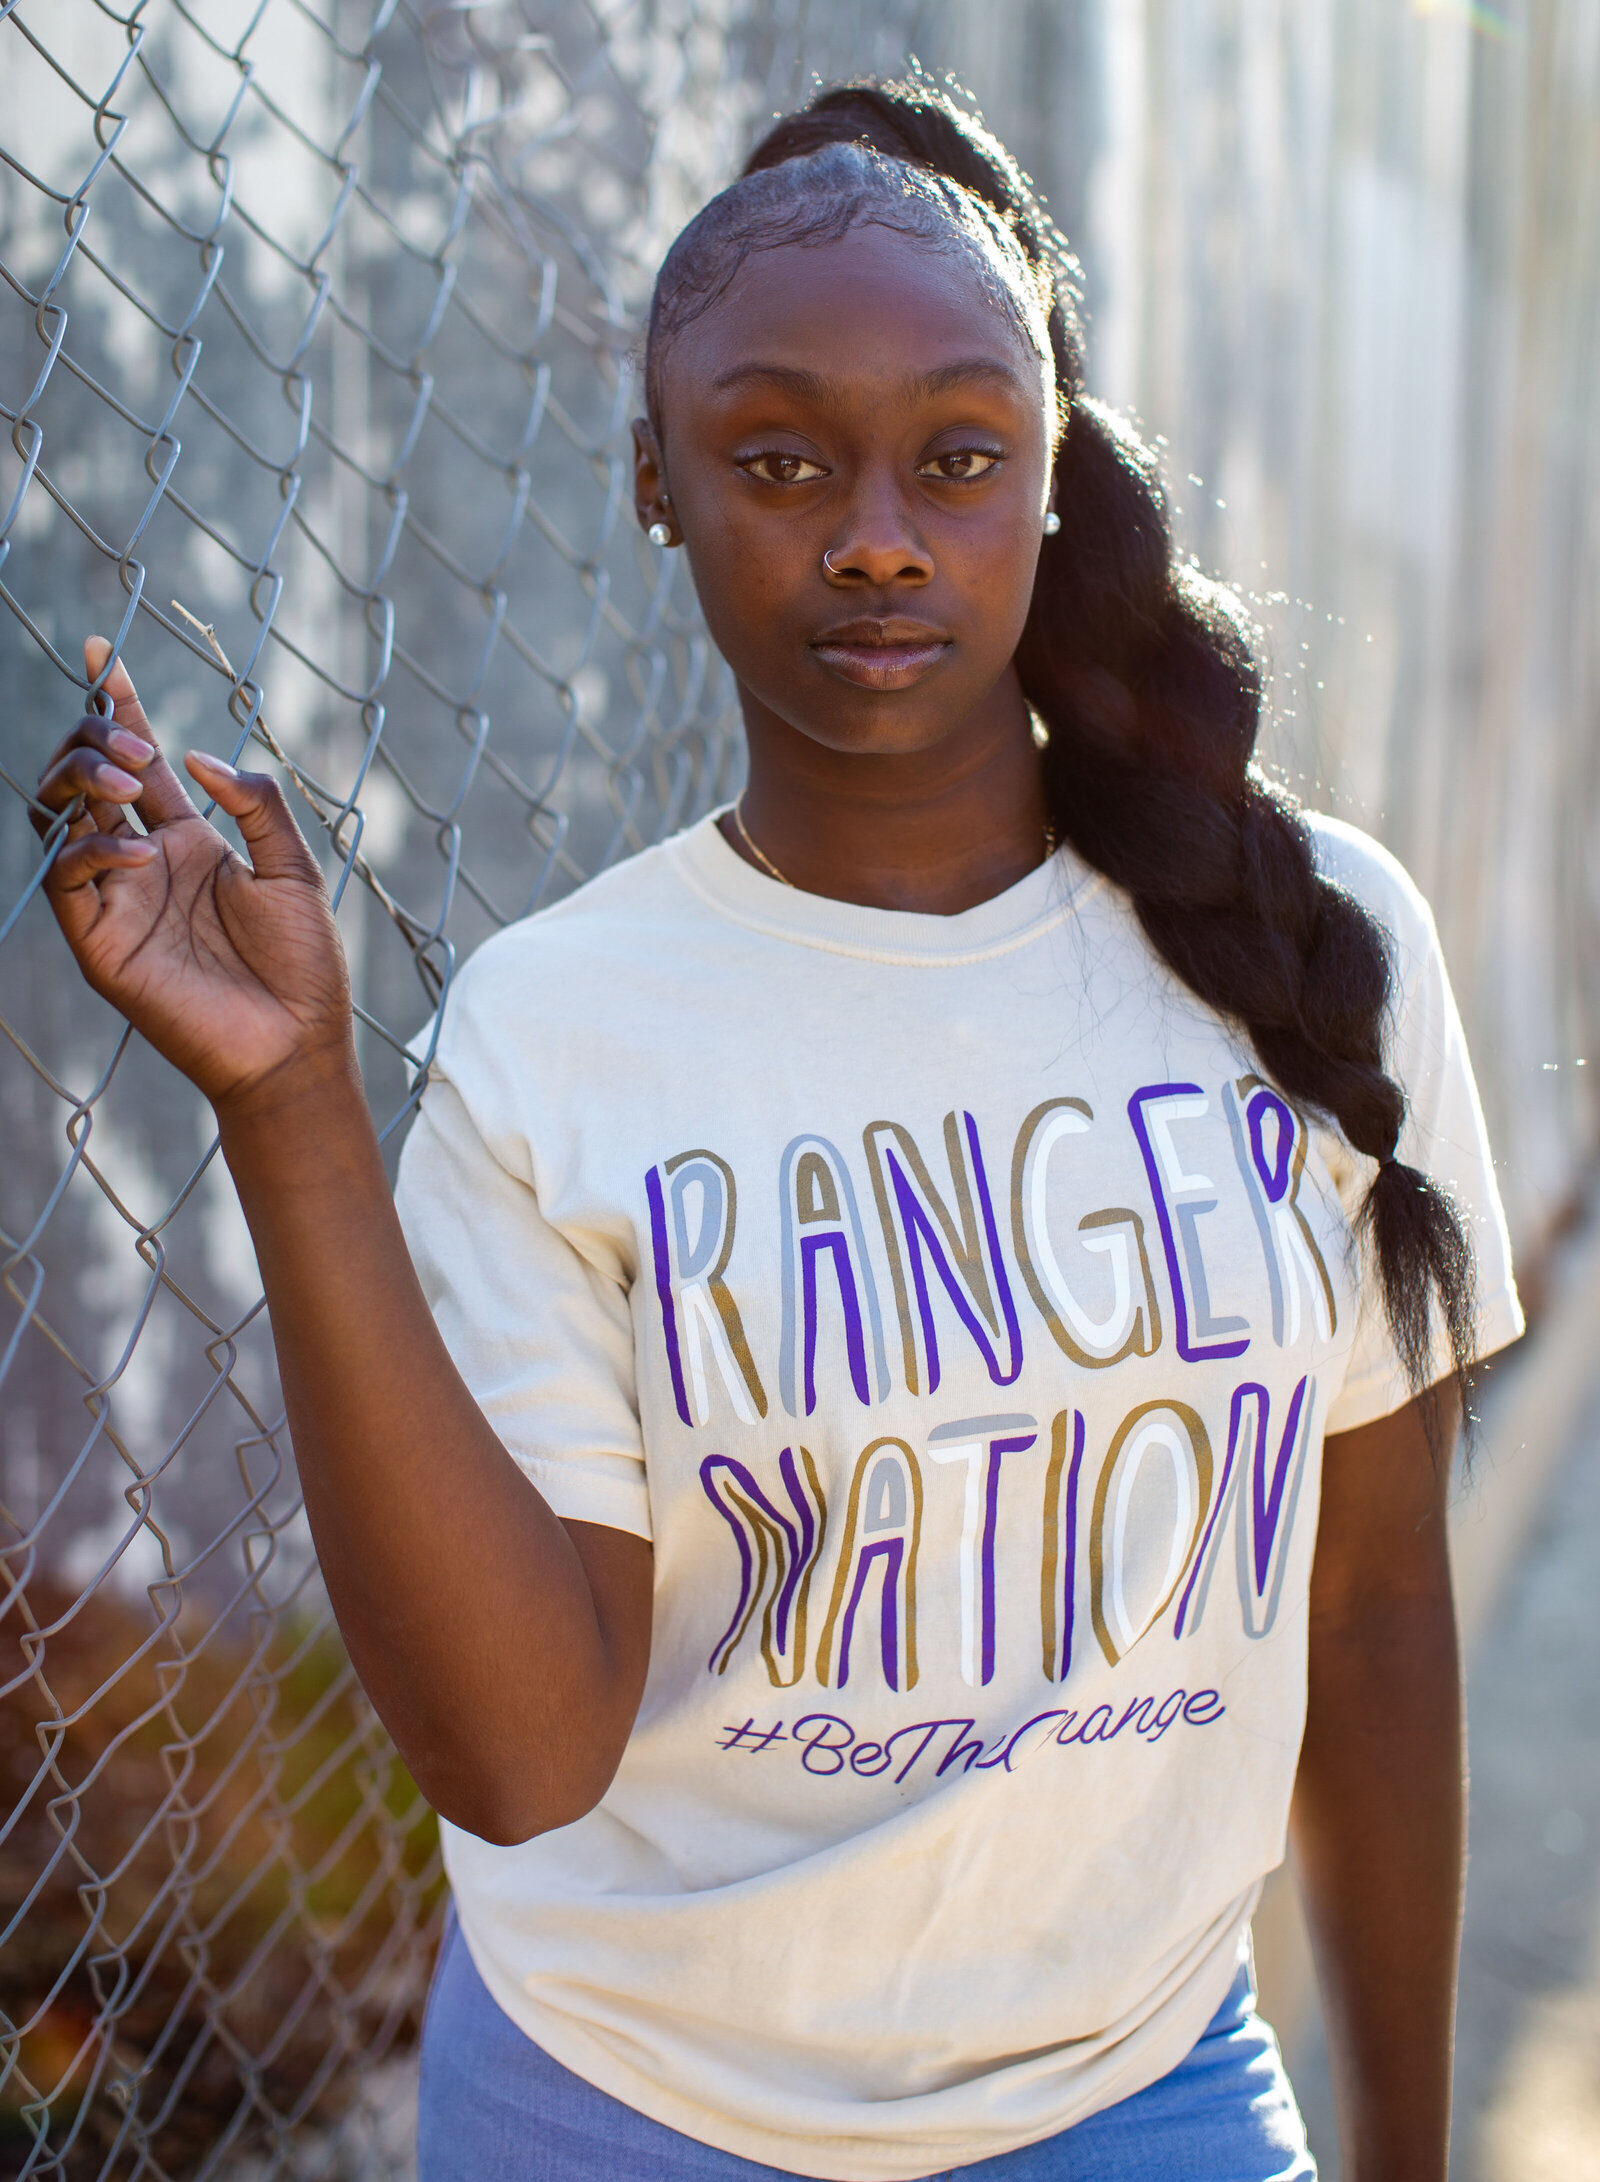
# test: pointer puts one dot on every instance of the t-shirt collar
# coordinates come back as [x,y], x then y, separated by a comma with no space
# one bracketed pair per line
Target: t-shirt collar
[1044,898]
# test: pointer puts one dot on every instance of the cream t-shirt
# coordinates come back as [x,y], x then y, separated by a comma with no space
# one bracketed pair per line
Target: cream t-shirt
[961,1313]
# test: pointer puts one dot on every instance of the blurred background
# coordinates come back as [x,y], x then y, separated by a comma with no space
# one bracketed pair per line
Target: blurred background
[316,358]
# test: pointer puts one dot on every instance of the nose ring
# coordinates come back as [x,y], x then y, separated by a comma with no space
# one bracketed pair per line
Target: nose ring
[828,565]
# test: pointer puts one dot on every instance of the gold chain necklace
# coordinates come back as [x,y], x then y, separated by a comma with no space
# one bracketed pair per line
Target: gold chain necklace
[767,865]
[760,854]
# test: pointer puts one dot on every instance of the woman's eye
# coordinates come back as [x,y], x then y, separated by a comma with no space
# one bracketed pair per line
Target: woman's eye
[783,469]
[959,465]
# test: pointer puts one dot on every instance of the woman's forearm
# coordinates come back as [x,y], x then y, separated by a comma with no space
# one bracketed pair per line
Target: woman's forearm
[1379,1831]
[504,1652]
[504,1649]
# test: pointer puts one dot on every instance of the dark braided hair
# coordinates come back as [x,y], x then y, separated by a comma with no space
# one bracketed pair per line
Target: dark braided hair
[1144,672]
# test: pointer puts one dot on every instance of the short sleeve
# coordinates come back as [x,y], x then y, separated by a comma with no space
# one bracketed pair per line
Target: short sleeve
[1444,1133]
[542,1336]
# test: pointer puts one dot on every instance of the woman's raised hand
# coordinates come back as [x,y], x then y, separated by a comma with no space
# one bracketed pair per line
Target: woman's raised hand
[233,970]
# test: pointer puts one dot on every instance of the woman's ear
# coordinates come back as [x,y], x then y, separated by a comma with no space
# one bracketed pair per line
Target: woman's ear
[651,501]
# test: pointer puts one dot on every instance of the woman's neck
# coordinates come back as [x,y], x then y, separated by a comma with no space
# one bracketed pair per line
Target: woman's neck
[935,830]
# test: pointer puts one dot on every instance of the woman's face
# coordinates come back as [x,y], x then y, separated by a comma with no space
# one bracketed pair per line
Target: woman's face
[868,401]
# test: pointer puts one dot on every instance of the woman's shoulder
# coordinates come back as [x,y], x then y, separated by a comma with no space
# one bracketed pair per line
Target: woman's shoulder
[579,976]
[631,905]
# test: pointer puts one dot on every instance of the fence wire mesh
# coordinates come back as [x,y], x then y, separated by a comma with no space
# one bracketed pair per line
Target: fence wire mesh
[316,359]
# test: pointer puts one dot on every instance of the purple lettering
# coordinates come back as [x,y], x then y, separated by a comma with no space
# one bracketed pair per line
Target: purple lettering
[890,1551]
[968,1750]
[927,1729]
[919,1232]
[829,1746]
[980,1443]
[753,1737]
[787,1554]
[1164,1718]
[1273,1168]
[1137,1706]
[1266,1502]
[817,1745]
[1198,1342]
[663,1265]
[1036,1721]
[1218,1503]
[855,1343]
[820,1215]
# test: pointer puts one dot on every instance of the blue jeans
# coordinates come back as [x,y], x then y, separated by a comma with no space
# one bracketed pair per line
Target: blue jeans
[494,2107]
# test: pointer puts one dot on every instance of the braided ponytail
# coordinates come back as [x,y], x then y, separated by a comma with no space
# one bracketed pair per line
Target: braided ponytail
[1146,676]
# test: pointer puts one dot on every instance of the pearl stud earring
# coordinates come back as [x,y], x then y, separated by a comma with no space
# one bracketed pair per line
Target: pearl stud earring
[1052,523]
[660,534]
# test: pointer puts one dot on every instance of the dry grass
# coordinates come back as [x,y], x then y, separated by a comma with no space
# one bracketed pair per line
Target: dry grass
[228,1886]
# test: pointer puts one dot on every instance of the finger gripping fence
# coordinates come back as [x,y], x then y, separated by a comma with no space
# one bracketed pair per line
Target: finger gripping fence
[316,362]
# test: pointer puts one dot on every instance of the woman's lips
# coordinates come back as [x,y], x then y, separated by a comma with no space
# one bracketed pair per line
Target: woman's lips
[893,660]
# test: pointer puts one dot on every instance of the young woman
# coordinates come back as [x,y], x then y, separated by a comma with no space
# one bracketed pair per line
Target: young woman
[915,1415]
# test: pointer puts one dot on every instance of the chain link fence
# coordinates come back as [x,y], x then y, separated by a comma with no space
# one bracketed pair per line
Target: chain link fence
[316,362]
[317,322]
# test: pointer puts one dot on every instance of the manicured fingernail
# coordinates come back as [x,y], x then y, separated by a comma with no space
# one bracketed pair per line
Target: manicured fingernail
[214,765]
[116,785]
[129,745]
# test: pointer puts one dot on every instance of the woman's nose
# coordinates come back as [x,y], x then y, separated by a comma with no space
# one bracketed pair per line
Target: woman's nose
[878,546]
